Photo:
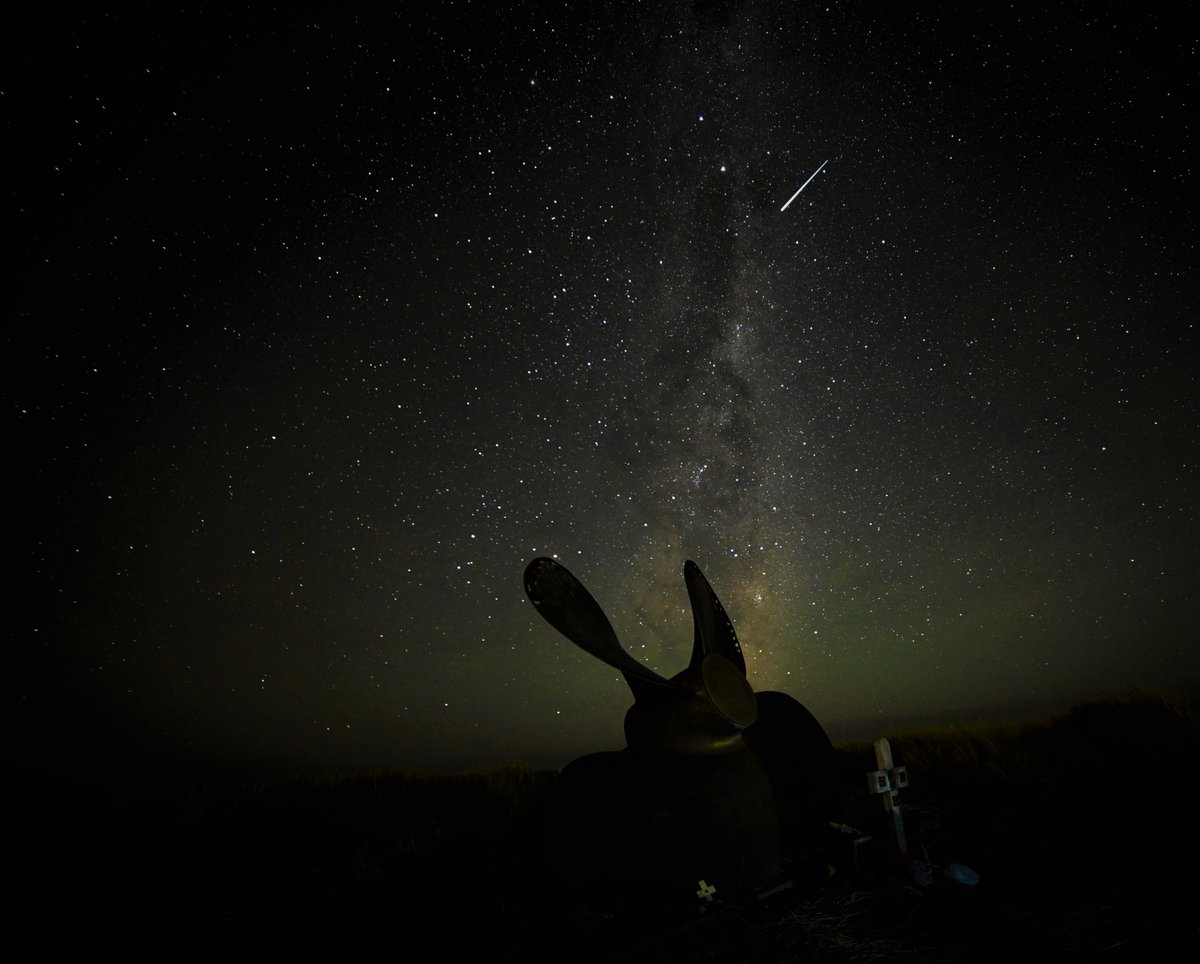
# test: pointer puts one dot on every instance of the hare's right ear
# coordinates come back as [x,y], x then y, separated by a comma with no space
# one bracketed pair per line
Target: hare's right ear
[714,630]
[569,608]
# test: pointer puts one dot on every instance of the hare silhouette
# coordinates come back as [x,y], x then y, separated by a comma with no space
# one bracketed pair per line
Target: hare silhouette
[716,781]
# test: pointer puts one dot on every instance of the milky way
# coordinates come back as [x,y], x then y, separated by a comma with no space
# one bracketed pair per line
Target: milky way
[327,326]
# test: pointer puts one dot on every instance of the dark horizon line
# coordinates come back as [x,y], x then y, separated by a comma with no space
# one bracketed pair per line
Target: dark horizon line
[128,769]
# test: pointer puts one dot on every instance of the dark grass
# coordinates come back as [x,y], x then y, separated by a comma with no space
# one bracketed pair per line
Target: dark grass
[1082,830]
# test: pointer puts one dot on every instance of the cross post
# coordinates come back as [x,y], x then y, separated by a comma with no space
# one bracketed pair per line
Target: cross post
[888,781]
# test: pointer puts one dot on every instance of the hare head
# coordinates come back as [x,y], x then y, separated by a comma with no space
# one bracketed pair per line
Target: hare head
[704,708]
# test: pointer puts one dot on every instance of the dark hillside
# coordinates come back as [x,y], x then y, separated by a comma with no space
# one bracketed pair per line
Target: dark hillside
[1078,829]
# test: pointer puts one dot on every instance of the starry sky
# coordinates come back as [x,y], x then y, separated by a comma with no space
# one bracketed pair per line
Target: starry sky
[323,325]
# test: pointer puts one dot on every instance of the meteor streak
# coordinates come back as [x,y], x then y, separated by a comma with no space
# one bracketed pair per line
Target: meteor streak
[802,186]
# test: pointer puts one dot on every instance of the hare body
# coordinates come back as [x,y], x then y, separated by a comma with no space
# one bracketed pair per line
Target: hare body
[662,821]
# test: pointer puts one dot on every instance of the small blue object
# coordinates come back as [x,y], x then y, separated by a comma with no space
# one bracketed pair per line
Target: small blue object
[962,874]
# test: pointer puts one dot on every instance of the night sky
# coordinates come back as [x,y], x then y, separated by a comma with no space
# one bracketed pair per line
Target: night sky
[321,327]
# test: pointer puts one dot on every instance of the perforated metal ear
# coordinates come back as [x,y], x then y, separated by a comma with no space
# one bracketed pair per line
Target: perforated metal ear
[714,630]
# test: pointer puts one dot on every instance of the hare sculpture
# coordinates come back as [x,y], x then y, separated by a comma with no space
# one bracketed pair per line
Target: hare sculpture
[716,782]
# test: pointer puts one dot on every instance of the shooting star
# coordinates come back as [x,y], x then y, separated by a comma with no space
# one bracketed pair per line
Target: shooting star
[802,187]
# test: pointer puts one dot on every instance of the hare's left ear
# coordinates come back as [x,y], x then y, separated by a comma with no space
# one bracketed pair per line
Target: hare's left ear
[567,606]
[714,630]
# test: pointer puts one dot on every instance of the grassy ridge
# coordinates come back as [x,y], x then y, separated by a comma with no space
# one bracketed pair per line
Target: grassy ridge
[1078,827]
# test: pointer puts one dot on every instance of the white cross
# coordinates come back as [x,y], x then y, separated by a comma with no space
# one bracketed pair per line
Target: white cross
[889,780]
[706,891]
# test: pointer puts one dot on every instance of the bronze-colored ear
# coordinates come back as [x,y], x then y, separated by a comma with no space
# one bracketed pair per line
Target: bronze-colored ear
[569,608]
[726,688]
[714,631]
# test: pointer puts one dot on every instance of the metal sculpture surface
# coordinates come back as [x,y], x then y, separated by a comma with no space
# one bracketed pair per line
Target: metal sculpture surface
[716,781]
